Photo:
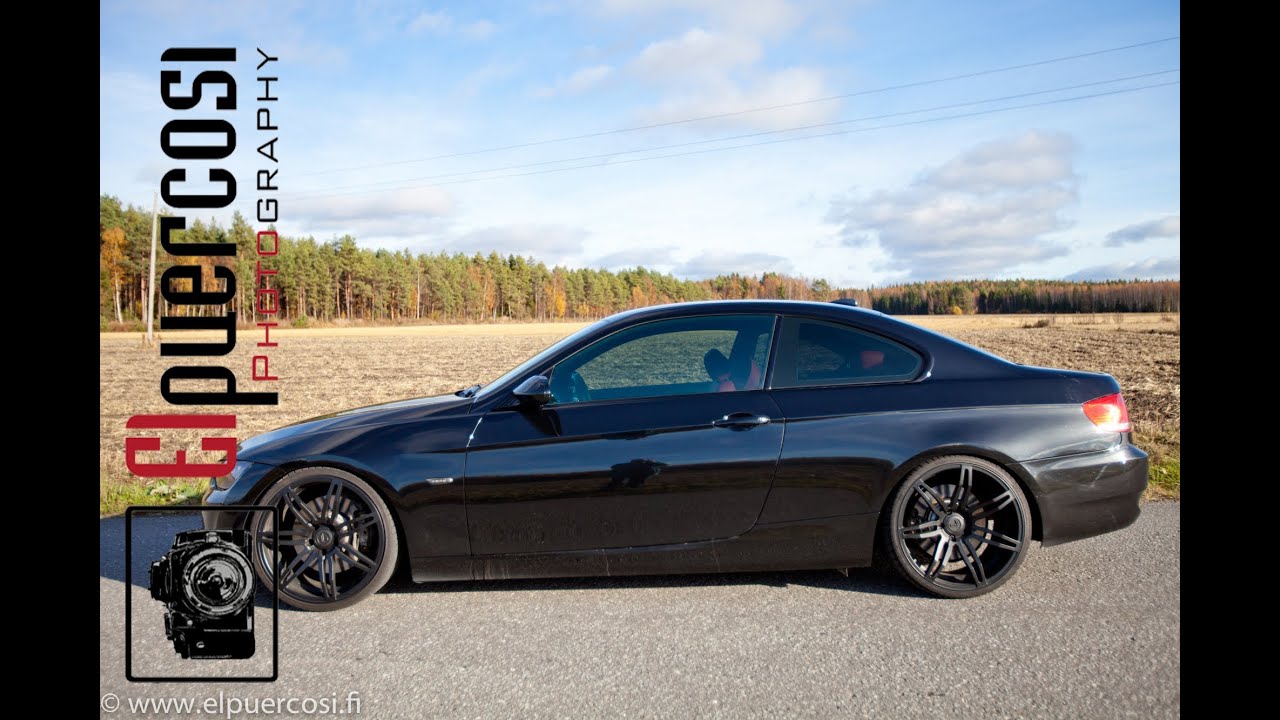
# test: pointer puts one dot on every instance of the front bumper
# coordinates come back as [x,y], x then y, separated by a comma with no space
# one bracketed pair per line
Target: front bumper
[239,488]
[1080,496]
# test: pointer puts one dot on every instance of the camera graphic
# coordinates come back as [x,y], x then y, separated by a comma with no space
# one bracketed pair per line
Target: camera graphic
[207,586]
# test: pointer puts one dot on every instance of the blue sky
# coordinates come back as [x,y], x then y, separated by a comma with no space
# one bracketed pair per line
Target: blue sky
[374,93]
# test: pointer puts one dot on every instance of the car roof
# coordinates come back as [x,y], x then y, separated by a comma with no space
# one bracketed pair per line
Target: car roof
[713,307]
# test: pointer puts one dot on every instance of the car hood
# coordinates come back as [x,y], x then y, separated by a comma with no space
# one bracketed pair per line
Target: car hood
[392,412]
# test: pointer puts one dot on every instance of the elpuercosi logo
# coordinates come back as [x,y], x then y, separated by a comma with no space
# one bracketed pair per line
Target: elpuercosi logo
[199,81]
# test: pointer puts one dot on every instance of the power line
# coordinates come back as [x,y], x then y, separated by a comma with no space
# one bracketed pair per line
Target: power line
[736,113]
[849,131]
[327,191]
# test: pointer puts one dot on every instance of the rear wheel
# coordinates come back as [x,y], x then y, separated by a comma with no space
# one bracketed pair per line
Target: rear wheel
[957,527]
[337,539]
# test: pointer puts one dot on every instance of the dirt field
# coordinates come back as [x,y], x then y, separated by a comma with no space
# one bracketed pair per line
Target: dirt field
[324,370]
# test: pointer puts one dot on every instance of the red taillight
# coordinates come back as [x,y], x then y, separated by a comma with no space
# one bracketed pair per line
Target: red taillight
[1109,413]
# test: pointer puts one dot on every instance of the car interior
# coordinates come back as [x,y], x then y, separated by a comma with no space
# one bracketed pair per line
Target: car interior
[720,354]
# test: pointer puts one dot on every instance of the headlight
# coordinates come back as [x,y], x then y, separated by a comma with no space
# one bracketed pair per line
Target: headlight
[226,481]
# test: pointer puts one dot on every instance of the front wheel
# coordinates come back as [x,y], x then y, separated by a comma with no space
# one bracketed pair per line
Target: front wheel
[957,527]
[337,539]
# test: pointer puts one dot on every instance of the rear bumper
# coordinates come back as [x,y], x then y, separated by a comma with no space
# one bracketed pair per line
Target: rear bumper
[1080,496]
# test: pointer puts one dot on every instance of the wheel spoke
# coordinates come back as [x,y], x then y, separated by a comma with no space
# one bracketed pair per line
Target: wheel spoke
[329,576]
[295,538]
[991,537]
[972,561]
[299,508]
[940,555]
[348,506]
[935,502]
[300,564]
[964,488]
[359,524]
[332,497]
[353,555]
[924,530]
[991,507]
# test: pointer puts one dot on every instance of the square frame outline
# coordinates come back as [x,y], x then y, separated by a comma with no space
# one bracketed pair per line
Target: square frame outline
[128,591]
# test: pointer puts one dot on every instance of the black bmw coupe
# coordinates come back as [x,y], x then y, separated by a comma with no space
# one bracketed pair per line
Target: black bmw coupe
[695,438]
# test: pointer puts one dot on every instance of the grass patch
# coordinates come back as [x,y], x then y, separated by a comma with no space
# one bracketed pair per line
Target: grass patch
[115,494]
[1164,445]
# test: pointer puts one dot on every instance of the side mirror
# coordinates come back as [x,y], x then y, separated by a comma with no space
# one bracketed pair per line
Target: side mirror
[534,391]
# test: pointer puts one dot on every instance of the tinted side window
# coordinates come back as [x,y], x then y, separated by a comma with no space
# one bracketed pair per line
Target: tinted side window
[720,353]
[813,353]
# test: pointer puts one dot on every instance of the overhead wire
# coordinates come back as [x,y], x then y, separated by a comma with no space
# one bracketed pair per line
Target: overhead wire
[847,131]
[746,111]
[328,192]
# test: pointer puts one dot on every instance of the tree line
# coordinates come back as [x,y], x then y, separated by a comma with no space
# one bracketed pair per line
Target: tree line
[337,280]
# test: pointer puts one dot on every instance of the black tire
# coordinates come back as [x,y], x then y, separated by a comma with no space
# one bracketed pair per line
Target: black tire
[944,538]
[338,539]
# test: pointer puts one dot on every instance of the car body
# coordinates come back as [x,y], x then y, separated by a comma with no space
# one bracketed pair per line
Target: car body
[627,449]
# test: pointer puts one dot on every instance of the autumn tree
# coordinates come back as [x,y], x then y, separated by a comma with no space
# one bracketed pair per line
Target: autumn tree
[338,279]
[113,262]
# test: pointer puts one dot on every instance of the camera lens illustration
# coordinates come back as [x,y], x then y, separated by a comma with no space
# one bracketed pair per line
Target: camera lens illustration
[207,586]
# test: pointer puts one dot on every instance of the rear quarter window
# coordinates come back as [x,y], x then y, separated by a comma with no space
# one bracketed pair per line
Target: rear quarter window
[814,353]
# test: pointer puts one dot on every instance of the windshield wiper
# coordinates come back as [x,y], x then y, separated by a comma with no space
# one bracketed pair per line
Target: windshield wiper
[467,391]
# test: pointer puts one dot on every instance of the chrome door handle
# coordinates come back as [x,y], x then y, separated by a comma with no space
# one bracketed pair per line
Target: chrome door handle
[741,420]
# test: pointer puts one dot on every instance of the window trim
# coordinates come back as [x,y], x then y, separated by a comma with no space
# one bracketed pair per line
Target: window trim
[922,373]
[765,381]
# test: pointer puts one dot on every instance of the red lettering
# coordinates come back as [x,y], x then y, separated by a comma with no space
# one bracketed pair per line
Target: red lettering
[180,467]
[266,368]
[266,335]
[275,242]
[266,299]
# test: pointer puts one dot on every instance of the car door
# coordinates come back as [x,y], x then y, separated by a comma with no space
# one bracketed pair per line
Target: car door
[839,387]
[641,445]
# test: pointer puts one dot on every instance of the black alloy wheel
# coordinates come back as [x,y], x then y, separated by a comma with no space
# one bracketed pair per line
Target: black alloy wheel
[958,527]
[337,539]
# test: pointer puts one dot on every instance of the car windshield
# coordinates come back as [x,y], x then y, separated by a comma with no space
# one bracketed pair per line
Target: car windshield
[527,367]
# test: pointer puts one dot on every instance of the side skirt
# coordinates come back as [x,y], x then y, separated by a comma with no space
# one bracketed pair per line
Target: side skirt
[835,542]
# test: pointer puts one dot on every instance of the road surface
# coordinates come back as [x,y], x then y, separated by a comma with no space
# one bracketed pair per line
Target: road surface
[1088,629]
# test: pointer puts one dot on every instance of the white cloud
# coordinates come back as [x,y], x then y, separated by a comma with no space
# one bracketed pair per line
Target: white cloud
[580,81]
[981,214]
[551,244]
[400,214]
[719,65]
[754,17]
[419,201]
[428,21]
[711,264]
[482,78]
[654,258]
[1165,227]
[697,54]
[442,23]
[768,90]
[1035,158]
[478,30]
[1149,269]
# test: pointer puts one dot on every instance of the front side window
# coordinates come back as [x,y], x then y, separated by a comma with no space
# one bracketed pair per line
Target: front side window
[683,356]
[814,353]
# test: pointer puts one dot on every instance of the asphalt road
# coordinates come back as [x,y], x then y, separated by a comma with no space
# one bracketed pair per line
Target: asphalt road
[1088,629]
